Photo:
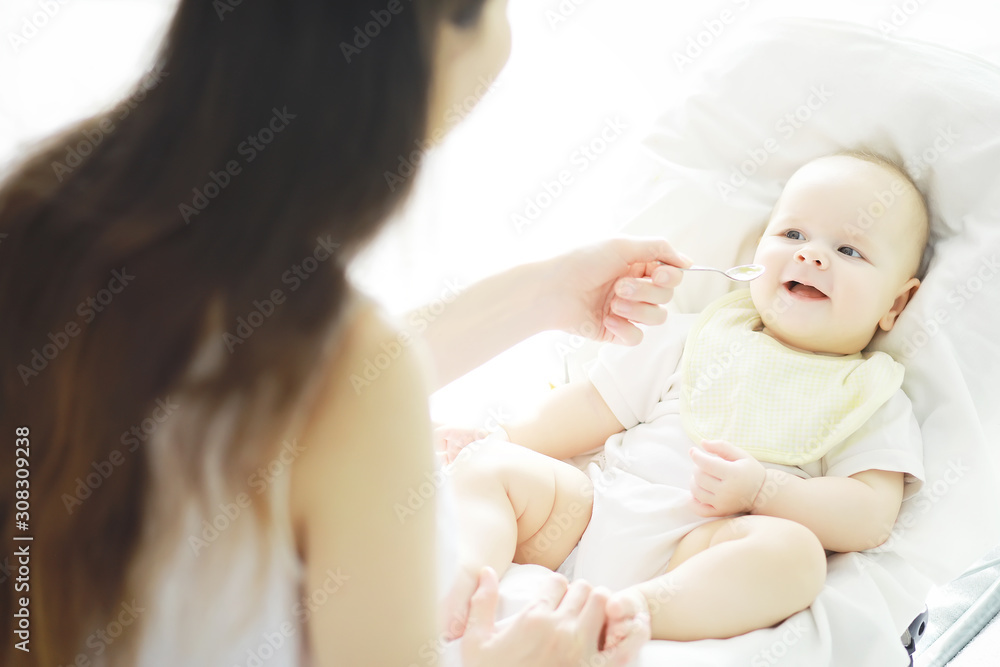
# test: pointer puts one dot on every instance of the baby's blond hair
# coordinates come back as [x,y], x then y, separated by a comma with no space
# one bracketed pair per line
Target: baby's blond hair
[924,248]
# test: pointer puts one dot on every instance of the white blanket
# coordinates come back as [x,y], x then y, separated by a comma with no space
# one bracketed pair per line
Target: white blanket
[797,90]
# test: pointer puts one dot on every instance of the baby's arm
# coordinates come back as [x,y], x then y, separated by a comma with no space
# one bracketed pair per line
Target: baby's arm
[846,513]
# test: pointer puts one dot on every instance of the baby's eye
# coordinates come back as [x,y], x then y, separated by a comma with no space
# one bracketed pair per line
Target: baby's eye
[849,251]
[795,235]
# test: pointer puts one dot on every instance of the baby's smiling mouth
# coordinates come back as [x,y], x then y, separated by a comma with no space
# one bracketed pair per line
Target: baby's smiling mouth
[803,290]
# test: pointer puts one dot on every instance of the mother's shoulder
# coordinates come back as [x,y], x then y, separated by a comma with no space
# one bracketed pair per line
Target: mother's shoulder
[367,341]
[371,362]
[371,404]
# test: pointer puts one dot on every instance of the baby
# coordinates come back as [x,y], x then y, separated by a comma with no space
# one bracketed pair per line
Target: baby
[806,444]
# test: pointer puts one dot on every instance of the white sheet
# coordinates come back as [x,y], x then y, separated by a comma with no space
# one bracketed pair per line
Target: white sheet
[798,90]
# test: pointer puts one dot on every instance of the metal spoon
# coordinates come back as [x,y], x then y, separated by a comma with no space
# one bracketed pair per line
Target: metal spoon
[743,273]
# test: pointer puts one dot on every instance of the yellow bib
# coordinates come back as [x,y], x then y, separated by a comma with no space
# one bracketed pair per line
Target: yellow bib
[778,404]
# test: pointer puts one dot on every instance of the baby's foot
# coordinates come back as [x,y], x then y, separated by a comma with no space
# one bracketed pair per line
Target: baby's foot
[622,612]
[455,606]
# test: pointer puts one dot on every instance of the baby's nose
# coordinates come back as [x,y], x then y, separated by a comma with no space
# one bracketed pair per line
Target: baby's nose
[812,256]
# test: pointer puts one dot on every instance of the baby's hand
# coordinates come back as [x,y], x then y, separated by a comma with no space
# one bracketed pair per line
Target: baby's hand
[449,441]
[727,479]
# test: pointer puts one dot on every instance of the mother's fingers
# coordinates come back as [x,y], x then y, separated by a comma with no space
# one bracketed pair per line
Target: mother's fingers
[665,275]
[552,592]
[482,606]
[576,596]
[656,288]
[637,311]
[623,331]
[593,615]
[648,250]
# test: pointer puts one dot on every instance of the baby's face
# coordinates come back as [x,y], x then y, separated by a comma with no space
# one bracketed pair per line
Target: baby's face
[840,251]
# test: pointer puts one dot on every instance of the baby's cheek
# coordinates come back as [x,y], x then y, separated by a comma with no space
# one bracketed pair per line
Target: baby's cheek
[763,295]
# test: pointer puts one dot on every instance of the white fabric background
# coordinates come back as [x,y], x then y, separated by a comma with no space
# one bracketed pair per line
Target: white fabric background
[884,96]
[575,66]
[608,61]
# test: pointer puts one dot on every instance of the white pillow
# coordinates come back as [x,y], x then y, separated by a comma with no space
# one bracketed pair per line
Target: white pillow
[800,89]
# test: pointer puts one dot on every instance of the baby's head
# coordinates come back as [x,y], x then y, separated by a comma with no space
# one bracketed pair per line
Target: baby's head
[842,249]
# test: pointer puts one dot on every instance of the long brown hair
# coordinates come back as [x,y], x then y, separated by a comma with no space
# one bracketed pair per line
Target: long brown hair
[268,129]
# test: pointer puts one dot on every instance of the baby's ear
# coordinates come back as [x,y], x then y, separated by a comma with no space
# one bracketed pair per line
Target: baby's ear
[909,289]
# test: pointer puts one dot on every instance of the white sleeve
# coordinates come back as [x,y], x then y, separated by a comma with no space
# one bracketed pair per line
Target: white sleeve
[889,440]
[631,380]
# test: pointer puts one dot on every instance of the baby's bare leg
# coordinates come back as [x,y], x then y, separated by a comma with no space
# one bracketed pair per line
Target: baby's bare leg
[729,577]
[513,505]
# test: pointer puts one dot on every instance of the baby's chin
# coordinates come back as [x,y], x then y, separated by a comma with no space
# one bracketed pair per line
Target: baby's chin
[791,342]
[810,344]
[797,333]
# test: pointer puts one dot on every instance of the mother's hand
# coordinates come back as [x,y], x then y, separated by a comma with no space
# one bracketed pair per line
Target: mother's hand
[560,629]
[602,291]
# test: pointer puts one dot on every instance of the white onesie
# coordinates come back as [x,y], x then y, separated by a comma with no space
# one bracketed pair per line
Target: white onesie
[642,502]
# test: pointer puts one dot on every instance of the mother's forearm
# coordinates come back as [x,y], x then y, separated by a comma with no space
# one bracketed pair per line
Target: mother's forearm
[482,321]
